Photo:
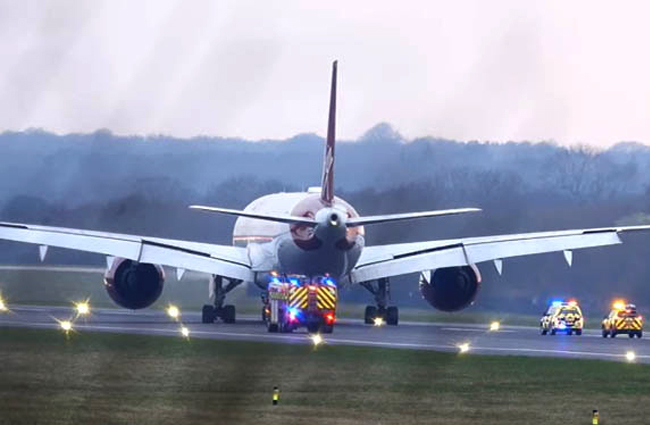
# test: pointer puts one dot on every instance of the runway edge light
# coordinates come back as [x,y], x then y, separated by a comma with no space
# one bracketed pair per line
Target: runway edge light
[173,311]
[185,331]
[82,308]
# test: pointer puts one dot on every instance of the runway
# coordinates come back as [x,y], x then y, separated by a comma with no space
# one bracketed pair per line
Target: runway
[509,340]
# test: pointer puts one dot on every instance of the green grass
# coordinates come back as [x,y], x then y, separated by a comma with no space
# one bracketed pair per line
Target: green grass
[129,379]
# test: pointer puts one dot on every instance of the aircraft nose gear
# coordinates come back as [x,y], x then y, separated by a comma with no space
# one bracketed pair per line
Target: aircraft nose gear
[225,312]
[381,292]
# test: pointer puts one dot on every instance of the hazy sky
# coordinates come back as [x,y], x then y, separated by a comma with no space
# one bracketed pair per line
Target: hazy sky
[575,72]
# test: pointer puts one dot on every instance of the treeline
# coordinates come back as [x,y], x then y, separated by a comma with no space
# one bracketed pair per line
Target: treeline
[127,185]
[81,168]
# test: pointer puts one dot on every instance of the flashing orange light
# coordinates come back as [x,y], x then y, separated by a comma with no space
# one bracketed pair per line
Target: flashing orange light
[573,303]
[619,305]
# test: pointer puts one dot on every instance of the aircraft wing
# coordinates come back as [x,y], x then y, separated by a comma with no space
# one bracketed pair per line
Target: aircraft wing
[227,261]
[397,259]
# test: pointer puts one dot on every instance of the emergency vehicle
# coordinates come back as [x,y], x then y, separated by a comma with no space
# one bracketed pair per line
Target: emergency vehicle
[622,319]
[292,302]
[563,317]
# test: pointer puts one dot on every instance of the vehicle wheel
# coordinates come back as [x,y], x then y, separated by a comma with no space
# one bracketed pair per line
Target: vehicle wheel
[312,327]
[272,327]
[612,334]
[553,331]
[631,335]
[228,313]
[327,329]
[207,314]
[392,316]
[542,330]
[578,332]
[639,334]
[569,332]
[369,316]
[265,316]
[605,333]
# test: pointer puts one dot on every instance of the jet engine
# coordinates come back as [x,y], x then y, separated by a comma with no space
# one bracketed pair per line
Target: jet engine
[134,285]
[450,288]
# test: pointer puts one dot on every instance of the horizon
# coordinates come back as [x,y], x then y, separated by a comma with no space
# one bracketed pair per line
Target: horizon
[383,126]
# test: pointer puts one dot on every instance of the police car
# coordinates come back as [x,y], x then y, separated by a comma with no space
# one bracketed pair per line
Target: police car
[565,317]
[623,319]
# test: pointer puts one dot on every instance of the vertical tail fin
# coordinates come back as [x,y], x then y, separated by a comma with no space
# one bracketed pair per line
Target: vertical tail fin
[327,185]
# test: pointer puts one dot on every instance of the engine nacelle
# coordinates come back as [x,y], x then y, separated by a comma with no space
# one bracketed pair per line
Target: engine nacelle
[134,285]
[450,288]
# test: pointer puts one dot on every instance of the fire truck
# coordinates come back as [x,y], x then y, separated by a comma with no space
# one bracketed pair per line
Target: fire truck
[294,301]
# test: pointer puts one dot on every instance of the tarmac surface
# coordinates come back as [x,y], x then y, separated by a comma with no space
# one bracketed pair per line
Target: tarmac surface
[508,340]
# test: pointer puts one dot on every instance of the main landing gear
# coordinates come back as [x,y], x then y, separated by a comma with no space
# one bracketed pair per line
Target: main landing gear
[224,312]
[381,312]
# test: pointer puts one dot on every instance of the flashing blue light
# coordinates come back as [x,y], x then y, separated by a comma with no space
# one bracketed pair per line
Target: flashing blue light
[561,325]
[293,313]
[329,281]
[294,281]
[556,303]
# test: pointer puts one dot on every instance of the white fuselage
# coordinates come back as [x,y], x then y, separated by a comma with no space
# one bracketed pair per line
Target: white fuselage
[274,246]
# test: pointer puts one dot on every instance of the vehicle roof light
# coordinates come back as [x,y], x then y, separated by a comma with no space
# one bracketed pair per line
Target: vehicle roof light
[619,305]
[556,303]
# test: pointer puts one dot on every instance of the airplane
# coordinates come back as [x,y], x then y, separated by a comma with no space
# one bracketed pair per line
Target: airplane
[311,233]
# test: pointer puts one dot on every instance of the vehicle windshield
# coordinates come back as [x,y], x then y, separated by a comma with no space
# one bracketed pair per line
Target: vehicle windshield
[569,310]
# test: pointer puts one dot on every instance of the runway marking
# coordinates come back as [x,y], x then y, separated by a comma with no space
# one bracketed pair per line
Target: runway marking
[305,339]
[475,330]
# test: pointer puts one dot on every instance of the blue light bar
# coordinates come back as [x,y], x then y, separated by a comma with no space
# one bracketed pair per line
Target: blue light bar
[294,281]
[556,303]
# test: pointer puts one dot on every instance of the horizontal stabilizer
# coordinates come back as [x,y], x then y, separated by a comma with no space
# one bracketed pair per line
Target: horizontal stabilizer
[373,219]
[289,219]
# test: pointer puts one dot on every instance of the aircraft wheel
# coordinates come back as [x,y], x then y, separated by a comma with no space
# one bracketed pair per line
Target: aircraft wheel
[207,314]
[392,316]
[228,313]
[370,314]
